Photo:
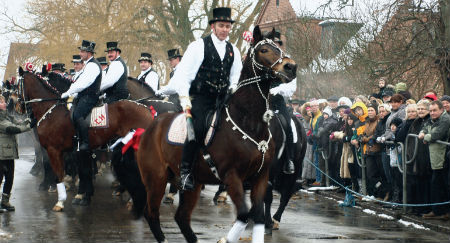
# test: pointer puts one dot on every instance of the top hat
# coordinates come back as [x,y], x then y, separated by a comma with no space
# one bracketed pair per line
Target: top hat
[112,46]
[275,36]
[221,14]
[146,57]
[173,53]
[76,59]
[72,71]
[102,61]
[59,66]
[88,46]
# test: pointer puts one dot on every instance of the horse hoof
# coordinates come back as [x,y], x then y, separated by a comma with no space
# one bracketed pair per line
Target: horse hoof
[169,199]
[57,209]
[276,225]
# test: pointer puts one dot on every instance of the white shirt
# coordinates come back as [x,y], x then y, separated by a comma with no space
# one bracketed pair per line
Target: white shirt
[192,60]
[285,89]
[77,75]
[86,78]
[115,71]
[152,78]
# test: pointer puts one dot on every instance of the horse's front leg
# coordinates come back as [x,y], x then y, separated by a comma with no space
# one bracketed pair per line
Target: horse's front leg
[257,211]
[267,205]
[57,163]
[188,200]
[236,191]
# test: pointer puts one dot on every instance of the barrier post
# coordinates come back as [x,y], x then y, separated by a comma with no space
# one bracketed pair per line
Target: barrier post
[326,158]
[362,164]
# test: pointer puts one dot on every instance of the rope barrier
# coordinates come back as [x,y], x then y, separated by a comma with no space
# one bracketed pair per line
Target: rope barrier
[376,200]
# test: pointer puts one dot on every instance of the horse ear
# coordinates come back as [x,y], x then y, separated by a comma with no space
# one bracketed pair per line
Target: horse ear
[273,33]
[21,72]
[44,70]
[257,36]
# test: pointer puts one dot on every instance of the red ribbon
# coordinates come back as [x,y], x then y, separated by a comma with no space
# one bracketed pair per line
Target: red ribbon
[134,142]
[153,111]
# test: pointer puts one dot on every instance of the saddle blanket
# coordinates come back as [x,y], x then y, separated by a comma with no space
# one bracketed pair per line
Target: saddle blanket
[177,132]
[99,117]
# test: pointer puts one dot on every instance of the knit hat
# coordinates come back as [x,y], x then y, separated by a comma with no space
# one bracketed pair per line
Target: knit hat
[445,97]
[400,87]
[327,111]
[374,106]
[396,121]
[352,117]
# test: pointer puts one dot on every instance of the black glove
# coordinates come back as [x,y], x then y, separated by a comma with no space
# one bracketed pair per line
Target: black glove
[33,122]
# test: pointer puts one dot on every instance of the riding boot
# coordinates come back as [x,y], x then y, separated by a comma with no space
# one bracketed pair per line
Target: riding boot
[190,150]
[5,202]
[288,167]
[83,133]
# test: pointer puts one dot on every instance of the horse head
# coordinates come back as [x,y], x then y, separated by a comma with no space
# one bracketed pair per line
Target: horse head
[266,56]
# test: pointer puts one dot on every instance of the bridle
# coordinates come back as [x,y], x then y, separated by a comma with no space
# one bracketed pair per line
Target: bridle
[263,145]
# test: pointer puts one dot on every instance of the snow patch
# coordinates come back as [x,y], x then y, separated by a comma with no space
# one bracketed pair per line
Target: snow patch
[339,202]
[384,216]
[305,191]
[322,188]
[368,211]
[417,226]
[368,198]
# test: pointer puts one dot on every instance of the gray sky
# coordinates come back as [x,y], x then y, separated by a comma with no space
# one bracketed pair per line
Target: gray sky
[16,9]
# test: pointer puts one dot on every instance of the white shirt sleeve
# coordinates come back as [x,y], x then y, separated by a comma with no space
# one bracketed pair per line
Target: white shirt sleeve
[90,73]
[186,70]
[235,72]
[286,89]
[152,80]
[114,73]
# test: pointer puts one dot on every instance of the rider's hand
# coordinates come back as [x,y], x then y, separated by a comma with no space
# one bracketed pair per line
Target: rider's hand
[65,95]
[274,91]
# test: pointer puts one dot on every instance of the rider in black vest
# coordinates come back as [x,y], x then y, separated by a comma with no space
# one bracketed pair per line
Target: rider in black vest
[87,87]
[148,74]
[279,92]
[115,82]
[174,57]
[209,68]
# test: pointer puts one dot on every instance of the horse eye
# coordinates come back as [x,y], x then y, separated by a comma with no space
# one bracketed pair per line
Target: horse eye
[264,50]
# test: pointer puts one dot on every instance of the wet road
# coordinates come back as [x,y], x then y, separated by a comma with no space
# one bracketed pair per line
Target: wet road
[308,219]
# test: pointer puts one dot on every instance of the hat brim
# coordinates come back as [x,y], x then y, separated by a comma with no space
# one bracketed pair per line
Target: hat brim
[172,57]
[77,61]
[113,49]
[145,59]
[222,20]
[82,48]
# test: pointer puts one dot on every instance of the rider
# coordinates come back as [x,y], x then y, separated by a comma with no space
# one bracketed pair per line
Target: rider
[87,87]
[148,75]
[277,102]
[59,68]
[104,65]
[174,57]
[77,66]
[115,82]
[210,67]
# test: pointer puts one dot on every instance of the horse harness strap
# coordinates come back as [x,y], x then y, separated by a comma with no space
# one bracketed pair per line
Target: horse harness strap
[48,112]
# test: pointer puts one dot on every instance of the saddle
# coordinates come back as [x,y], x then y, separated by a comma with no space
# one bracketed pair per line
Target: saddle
[97,118]
[177,132]
[280,119]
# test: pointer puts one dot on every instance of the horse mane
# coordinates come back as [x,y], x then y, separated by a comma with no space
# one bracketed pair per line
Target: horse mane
[60,83]
[142,83]
[45,83]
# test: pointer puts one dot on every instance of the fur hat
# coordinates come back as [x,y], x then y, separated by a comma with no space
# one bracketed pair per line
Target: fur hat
[373,105]
[328,111]
[397,121]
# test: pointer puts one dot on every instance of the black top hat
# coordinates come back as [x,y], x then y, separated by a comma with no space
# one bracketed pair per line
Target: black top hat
[59,66]
[72,71]
[112,46]
[102,61]
[274,36]
[173,53]
[87,46]
[76,59]
[146,57]
[221,14]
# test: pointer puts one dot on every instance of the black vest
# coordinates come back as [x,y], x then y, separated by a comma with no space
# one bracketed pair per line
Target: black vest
[142,79]
[213,76]
[93,89]
[120,87]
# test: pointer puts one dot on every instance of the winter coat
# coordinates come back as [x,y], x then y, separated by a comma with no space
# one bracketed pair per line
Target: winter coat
[400,113]
[400,135]
[421,165]
[360,124]
[380,130]
[368,137]
[328,125]
[437,130]
[9,127]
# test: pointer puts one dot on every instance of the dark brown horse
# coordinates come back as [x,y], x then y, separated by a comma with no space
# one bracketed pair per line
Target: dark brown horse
[56,130]
[237,159]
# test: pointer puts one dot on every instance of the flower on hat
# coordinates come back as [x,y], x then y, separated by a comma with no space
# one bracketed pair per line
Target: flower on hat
[29,66]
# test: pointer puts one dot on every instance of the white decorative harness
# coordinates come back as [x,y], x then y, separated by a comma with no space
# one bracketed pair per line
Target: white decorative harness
[262,145]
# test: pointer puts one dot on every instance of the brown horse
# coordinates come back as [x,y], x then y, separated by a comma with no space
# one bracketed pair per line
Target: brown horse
[56,130]
[242,148]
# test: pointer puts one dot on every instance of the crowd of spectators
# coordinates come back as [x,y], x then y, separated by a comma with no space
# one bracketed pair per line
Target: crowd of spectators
[347,132]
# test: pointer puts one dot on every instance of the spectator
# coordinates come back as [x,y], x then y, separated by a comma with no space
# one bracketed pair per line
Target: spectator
[9,127]
[387,94]
[381,86]
[375,179]
[328,125]
[430,97]
[308,172]
[437,129]
[363,99]
[419,170]
[384,111]
[410,101]
[314,124]
[397,110]
[445,99]
[395,160]
[333,103]
[402,88]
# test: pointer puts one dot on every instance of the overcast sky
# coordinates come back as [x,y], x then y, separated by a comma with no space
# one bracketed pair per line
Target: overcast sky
[15,8]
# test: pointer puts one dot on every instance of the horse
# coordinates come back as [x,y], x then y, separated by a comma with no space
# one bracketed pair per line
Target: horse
[55,128]
[286,185]
[241,150]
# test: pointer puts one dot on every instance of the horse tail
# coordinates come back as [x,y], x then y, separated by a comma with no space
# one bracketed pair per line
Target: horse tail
[127,173]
